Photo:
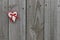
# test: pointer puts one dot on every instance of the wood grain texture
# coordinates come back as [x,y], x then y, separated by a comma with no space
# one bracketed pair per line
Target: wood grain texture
[4,20]
[58,19]
[35,19]
[51,20]
[35,12]
[8,30]
[47,20]
[17,29]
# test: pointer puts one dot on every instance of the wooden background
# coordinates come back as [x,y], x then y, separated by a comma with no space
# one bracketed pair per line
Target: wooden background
[38,20]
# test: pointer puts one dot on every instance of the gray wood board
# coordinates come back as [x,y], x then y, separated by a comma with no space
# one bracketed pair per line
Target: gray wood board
[51,20]
[4,20]
[17,29]
[35,19]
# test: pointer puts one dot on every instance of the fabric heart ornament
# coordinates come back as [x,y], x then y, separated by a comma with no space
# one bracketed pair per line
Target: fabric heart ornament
[12,16]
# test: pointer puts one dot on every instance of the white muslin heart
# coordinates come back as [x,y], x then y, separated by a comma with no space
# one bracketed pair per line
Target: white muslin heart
[12,16]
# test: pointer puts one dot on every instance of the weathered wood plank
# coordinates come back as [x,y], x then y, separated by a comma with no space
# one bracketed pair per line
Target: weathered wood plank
[35,19]
[51,20]
[4,20]
[17,29]
[58,19]
[47,20]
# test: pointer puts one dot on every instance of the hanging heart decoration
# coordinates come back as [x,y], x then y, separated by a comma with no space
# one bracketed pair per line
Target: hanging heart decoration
[12,16]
